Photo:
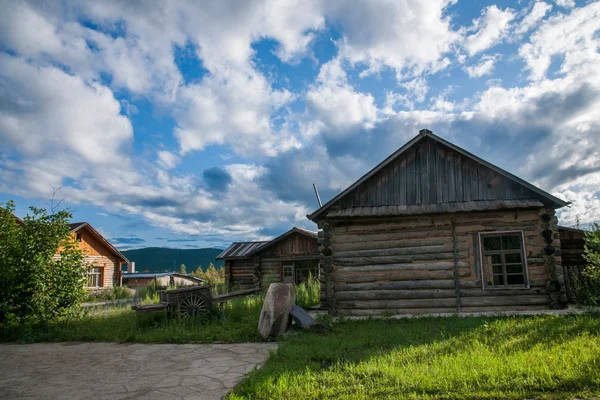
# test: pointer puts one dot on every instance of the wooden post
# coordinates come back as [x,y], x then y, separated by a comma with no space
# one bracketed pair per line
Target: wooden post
[456,272]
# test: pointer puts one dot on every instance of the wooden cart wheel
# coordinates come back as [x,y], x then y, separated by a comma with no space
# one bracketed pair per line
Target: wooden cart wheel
[192,306]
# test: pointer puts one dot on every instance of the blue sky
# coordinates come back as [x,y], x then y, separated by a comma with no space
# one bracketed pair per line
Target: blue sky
[194,124]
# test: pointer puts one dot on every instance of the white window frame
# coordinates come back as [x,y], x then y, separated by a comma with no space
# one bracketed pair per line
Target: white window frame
[98,275]
[484,286]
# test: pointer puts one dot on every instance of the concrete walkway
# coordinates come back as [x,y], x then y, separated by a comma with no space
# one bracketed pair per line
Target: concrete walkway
[126,371]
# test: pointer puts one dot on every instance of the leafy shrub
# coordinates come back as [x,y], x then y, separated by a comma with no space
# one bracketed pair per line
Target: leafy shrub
[586,286]
[35,285]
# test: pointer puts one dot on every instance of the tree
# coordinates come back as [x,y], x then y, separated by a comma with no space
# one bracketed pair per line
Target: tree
[586,287]
[182,270]
[35,285]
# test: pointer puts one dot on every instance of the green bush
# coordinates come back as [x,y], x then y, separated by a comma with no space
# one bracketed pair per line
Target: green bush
[35,285]
[586,286]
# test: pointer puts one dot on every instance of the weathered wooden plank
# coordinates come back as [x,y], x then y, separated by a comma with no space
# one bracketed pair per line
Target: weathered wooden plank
[444,265]
[390,244]
[398,304]
[396,259]
[466,179]
[398,251]
[507,308]
[340,276]
[411,185]
[451,177]
[405,285]
[388,311]
[458,177]
[482,301]
[478,292]
[394,294]
[401,181]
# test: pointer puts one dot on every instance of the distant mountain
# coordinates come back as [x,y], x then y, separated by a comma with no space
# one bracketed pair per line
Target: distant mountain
[161,259]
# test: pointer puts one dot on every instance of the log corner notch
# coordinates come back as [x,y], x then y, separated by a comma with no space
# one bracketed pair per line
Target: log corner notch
[257,276]
[551,254]
[328,301]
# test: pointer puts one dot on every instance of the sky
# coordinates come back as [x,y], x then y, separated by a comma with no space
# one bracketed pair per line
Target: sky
[197,123]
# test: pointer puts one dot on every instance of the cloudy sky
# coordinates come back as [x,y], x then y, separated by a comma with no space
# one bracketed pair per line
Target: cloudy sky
[192,124]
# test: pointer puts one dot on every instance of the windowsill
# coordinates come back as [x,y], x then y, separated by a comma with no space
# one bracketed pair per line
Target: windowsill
[506,288]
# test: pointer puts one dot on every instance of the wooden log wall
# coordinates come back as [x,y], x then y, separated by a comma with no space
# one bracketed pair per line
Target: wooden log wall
[241,272]
[270,271]
[407,264]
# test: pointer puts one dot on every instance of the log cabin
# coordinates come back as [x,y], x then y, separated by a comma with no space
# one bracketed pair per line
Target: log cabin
[289,258]
[102,259]
[436,229]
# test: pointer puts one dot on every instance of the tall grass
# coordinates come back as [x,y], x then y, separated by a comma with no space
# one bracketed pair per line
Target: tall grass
[112,294]
[308,294]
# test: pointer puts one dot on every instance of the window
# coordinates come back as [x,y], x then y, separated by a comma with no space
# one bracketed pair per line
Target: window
[288,274]
[95,277]
[504,262]
[78,237]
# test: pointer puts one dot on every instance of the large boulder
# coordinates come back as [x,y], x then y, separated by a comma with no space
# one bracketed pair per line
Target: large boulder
[275,314]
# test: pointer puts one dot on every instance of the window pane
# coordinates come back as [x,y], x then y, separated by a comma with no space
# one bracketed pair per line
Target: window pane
[497,269]
[512,258]
[514,269]
[498,279]
[511,242]
[496,259]
[492,243]
[516,279]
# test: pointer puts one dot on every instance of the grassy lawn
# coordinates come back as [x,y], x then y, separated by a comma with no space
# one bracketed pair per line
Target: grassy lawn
[488,358]
[237,323]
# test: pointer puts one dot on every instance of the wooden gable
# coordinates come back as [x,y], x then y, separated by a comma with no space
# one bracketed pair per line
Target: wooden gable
[431,175]
[292,244]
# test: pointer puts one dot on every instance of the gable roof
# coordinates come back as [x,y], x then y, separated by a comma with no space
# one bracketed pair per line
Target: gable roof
[248,249]
[77,226]
[302,231]
[240,249]
[532,192]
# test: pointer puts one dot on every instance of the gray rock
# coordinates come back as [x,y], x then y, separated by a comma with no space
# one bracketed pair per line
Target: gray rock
[275,314]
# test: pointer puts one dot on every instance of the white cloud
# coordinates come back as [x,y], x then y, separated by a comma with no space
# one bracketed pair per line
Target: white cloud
[44,109]
[565,3]
[167,160]
[233,107]
[538,12]
[573,36]
[489,29]
[336,104]
[485,66]
[384,33]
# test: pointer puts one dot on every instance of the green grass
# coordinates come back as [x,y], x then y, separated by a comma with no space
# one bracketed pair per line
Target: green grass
[448,358]
[237,323]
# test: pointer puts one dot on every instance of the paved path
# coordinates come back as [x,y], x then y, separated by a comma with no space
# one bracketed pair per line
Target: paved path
[126,371]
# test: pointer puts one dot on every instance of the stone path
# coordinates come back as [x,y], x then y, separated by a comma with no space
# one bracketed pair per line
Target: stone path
[126,371]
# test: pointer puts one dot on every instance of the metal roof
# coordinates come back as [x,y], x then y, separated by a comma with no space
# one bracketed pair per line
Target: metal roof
[483,205]
[247,249]
[136,275]
[423,134]
[241,249]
